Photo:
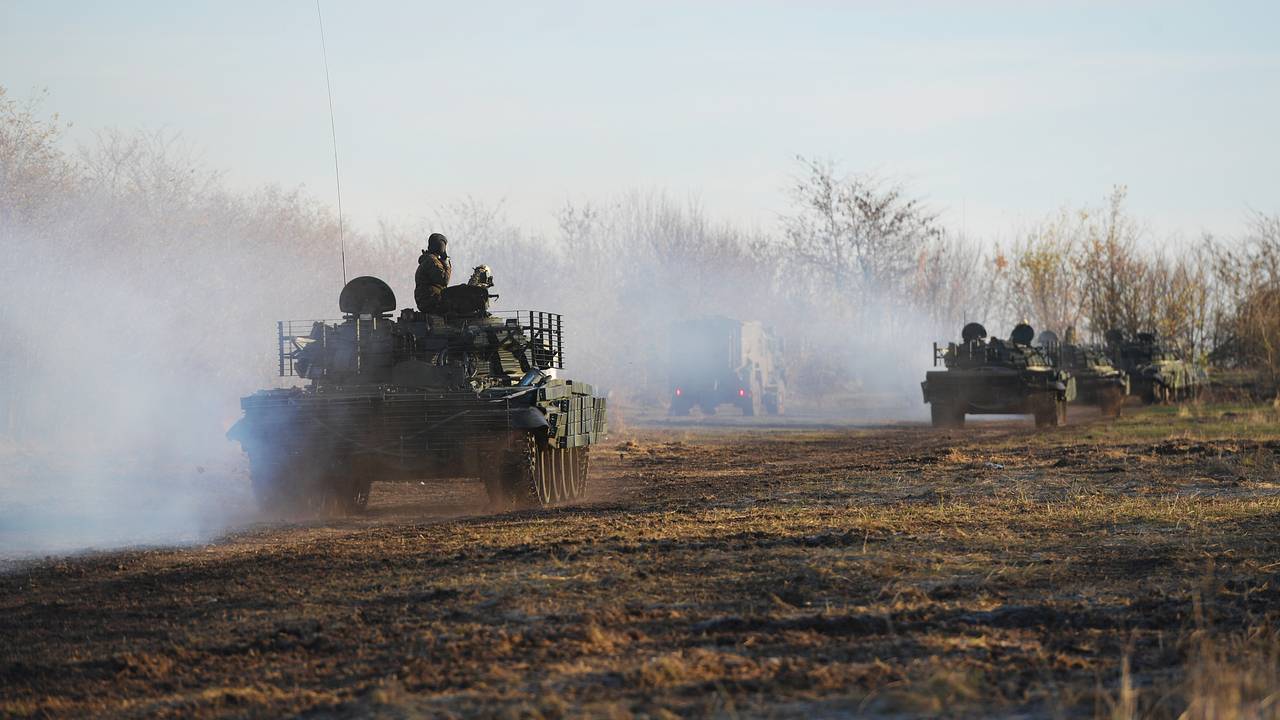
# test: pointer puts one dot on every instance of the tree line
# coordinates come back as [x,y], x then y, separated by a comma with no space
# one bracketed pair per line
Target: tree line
[130,252]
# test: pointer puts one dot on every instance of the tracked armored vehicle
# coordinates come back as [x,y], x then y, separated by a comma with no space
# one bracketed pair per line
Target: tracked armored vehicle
[996,377]
[1098,382]
[1157,373]
[466,394]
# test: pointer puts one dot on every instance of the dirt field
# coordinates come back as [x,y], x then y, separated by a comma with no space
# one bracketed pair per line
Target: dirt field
[1098,570]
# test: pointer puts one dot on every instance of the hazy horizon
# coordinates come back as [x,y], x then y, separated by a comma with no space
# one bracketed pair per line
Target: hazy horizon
[997,113]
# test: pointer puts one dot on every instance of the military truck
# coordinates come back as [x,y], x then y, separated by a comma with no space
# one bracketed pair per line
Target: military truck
[1098,382]
[717,360]
[1157,373]
[467,394]
[996,377]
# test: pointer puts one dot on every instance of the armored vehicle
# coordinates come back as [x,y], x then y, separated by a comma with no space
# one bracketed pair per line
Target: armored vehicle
[470,393]
[1157,373]
[996,377]
[1098,381]
[718,361]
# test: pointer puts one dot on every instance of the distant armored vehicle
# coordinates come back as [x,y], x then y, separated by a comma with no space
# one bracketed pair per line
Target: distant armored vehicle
[1098,381]
[466,394]
[1156,372]
[718,361]
[996,377]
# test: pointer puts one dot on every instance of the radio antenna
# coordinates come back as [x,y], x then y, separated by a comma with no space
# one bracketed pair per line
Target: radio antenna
[333,132]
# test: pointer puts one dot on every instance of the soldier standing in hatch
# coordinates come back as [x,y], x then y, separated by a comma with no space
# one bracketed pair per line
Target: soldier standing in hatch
[433,274]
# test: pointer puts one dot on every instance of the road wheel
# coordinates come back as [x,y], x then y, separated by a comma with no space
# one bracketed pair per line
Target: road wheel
[548,475]
[581,466]
[510,473]
[516,477]
[561,474]
[521,473]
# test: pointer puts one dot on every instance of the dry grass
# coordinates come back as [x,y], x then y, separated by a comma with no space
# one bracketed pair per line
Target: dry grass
[1227,675]
[1099,570]
[1236,677]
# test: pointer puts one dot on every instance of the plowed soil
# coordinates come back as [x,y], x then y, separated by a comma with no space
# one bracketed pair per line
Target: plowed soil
[742,571]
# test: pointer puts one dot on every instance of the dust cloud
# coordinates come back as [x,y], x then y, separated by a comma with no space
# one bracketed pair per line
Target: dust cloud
[623,270]
[115,438]
[141,295]
[137,306]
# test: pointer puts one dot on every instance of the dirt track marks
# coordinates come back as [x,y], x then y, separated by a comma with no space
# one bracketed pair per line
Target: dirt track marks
[903,571]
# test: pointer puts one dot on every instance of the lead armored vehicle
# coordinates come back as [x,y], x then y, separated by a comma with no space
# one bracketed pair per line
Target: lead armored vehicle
[1098,382]
[718,361]
[1157,373]
[466,394]
[996,377]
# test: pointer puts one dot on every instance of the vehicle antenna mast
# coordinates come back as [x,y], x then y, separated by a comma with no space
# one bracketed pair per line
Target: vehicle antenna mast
[333,132]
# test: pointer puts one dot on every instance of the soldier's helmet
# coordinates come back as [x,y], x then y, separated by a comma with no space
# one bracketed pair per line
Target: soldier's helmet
[438,244]
[1022,334]
[481,276]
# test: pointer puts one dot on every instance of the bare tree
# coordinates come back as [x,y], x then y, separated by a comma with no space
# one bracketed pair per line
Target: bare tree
[34,174]
[1117,291]
[955,282]
[856,236]
[1181,299]
[1248,277]
[1046,285]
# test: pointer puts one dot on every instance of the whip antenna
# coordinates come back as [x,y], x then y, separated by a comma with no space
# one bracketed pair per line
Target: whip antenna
[333,132]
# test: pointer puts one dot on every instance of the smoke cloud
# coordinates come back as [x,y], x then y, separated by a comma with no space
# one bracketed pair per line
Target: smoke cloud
[142,295]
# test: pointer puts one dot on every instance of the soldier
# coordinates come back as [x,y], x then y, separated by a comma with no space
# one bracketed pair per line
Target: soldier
[469,300]
[432,276]
[481,276]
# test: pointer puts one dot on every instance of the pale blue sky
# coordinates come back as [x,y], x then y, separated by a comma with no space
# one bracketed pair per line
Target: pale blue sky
[998,112]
